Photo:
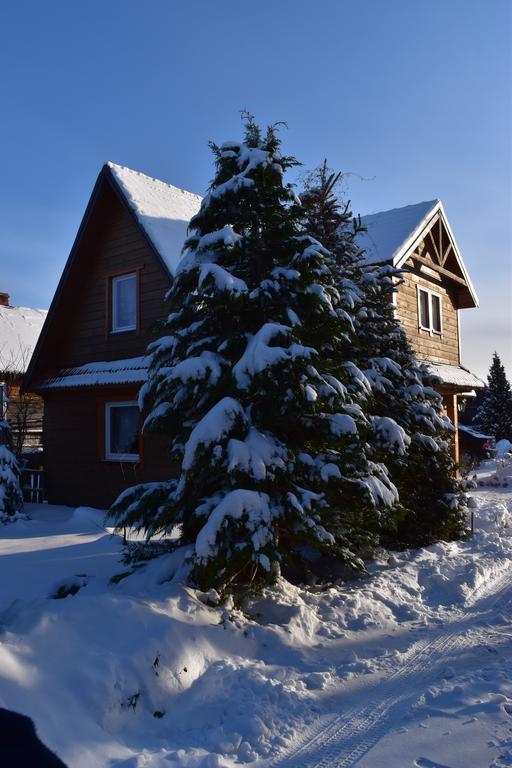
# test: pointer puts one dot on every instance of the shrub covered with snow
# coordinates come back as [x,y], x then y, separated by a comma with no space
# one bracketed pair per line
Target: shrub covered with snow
[253,379]
[11,498]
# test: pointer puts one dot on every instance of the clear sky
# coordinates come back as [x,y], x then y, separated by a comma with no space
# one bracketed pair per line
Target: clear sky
[414,98]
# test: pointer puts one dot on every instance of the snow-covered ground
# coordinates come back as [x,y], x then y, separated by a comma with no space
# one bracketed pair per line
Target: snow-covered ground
[409,667]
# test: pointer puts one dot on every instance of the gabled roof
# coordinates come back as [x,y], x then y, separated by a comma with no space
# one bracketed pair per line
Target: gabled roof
[393,235]
[19,330]
[162,210]
[162,213]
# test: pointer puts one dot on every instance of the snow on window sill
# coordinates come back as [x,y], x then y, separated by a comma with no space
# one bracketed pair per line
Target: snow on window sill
[124,330]
[120,457]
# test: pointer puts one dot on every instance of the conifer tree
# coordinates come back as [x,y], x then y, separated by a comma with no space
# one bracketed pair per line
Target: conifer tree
[495,414]
[252,380]
[409,433]
[11,498]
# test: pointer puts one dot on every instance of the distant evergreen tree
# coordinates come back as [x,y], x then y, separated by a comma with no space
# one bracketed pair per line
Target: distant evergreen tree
[494,416]
[409,432]
[252,380]
[11,498]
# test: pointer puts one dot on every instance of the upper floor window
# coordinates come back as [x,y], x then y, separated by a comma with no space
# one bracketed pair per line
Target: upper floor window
[122,431]
[430,311]
[124,303]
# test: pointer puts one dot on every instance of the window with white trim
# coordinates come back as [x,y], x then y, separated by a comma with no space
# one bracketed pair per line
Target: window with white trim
[122,431]
[124,303]
[430,313]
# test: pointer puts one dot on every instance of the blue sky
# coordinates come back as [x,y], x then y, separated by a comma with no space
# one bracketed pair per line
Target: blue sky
[413,98]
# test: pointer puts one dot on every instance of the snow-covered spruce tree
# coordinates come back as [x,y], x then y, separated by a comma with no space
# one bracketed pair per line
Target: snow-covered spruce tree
[409,419]
[494,416]
[11,498]
[409,432]
[251,382]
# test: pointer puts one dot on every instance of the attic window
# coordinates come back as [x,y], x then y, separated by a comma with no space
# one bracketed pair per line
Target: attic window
[122,431]
[430,311]
[124,303]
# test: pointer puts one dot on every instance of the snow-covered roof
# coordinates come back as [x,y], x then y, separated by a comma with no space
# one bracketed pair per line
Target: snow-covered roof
[387,231]
[473,432]
[162,210]
[19,330]
[133,370]
[454,374]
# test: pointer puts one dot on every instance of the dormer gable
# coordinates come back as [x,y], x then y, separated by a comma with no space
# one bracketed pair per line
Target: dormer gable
[419,235]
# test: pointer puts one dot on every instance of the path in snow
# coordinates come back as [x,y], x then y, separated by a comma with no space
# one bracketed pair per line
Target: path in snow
[381,701]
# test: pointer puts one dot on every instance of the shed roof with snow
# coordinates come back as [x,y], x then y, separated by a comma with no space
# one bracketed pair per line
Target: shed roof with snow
[19,330]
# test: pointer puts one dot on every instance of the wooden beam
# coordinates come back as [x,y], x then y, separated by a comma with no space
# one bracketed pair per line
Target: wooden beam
[435,246]
[446,254]
[441,270]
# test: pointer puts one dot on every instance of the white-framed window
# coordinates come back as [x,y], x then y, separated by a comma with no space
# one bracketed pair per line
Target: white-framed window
[430,311]
[122,431]
[124,303]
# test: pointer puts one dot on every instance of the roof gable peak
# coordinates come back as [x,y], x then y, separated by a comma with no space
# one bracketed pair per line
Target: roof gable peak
[162,210]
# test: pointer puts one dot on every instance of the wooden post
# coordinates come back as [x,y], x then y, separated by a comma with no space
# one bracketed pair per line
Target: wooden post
[450,402]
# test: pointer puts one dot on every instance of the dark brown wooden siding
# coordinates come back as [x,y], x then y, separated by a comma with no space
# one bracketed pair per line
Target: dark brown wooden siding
[74,441]
[443,348]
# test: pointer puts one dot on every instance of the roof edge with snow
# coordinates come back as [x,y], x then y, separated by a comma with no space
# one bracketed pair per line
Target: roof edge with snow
[454,375]
[132,370]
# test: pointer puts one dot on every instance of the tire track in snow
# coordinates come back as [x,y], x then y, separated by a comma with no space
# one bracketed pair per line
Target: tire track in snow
[346,738]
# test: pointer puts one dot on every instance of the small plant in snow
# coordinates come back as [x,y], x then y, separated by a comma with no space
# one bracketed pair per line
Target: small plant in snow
[252,381]
[131,701]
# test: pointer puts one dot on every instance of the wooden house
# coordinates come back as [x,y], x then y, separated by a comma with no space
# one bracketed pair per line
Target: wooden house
[89,362]
[435,286]
[19,330]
